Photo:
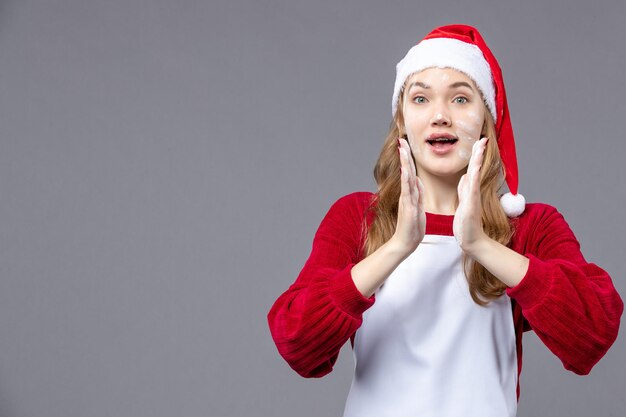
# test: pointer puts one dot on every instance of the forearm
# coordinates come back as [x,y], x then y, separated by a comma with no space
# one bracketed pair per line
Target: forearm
[371,272]
[313,319]
[570,304]
[504,263]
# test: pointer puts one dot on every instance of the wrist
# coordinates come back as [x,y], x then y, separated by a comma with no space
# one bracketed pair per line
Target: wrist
[395,248]
[478,246]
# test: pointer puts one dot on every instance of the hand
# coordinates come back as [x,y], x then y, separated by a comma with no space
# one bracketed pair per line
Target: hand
[411,225]
[467,226]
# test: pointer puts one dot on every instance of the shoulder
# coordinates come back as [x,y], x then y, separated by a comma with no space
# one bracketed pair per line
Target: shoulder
[350,208]
[358,200]
[542,223]
[539,214]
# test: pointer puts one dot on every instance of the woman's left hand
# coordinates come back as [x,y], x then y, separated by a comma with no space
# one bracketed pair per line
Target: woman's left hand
[467,226]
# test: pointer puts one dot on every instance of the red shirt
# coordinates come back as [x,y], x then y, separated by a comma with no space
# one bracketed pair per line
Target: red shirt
[569,303]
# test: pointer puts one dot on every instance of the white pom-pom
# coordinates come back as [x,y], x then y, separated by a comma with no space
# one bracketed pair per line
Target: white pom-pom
[513,205]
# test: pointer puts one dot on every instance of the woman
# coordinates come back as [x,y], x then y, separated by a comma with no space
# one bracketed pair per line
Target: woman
[435,278]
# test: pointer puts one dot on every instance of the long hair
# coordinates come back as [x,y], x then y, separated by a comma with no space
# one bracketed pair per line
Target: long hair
[496,224]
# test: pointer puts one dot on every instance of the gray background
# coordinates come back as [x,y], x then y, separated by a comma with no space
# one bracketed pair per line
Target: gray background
[164,166]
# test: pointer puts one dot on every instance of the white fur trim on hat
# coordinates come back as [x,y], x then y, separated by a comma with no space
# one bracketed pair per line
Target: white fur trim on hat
[447,53]
[513,205]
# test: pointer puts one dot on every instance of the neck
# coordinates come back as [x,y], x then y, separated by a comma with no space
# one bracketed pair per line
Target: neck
[440,194]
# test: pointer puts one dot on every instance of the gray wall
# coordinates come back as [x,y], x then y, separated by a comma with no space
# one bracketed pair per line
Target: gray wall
[164,166]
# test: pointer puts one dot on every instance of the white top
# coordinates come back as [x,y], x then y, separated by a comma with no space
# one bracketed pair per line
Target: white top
[426,349]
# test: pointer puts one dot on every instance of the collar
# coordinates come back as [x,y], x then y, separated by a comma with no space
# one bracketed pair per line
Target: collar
[439,224]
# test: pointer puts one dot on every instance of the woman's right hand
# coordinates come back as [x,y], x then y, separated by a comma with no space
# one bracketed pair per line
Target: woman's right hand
[411,225]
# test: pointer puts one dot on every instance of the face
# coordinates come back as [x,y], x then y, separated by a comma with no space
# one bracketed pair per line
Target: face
[441,101]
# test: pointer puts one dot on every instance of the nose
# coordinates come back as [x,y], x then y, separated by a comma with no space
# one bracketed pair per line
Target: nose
[440,117]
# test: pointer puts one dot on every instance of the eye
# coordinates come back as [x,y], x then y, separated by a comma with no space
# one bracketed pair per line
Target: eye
[418,98]
[462,98]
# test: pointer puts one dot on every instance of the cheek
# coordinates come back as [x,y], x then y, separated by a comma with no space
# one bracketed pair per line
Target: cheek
[415,127]
[464,154]
[414,148]
[475,116]
[469,126]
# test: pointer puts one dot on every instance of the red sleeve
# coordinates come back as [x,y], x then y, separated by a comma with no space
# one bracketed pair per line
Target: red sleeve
[312,320]
[571,304]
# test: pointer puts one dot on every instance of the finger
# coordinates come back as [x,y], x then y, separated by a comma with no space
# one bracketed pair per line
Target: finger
[411,161]
[414,181]
[410,169]
[461,187]
[420,189]
[404,181]
[476,160]
[478,155]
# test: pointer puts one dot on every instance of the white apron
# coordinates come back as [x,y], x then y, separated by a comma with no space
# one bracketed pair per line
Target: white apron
[426,349]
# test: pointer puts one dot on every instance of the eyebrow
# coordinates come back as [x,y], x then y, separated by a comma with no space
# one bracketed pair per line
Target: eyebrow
[451,86]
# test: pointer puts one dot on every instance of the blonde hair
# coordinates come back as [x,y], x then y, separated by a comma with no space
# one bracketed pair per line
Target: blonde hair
[496,224]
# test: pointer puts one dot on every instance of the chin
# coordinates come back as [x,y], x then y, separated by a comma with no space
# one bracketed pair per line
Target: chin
[442,172]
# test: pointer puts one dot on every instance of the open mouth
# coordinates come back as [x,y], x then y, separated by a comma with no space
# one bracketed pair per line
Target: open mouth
[442,146]
[441,141]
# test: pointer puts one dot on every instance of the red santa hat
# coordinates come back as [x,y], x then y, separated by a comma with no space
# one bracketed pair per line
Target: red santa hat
[461,47]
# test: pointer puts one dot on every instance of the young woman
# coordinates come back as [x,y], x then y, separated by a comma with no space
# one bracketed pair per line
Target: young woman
[435,277]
